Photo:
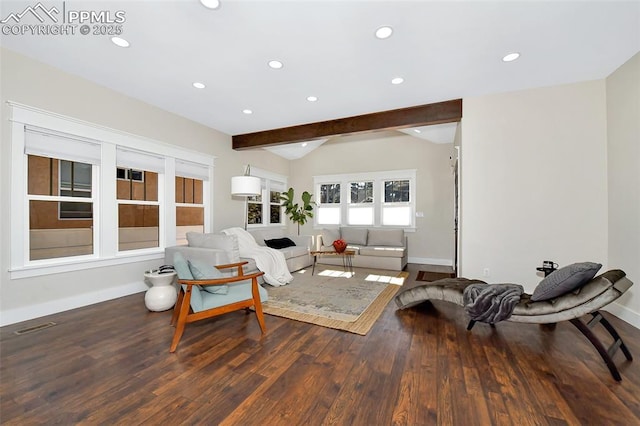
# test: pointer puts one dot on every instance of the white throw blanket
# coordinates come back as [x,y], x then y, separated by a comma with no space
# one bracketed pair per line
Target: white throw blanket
[268,260]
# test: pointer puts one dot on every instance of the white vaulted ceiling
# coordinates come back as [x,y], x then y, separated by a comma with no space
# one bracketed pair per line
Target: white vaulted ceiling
[442,50]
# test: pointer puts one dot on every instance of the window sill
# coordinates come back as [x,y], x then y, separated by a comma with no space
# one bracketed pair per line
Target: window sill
[82,264]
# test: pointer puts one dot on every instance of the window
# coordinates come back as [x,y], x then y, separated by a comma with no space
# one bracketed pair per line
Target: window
[266,209]
[370,199]
[75,181]
[329,204]
[60,208]
[275,207]
[254,209]
[361,211]
[138,202]
[130,174]
[189,207]
[86,196]
[396,210]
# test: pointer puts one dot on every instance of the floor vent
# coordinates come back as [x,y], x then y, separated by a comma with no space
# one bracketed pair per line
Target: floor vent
[34,328]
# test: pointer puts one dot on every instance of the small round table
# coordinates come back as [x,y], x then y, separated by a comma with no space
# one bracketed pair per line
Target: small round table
[162,295]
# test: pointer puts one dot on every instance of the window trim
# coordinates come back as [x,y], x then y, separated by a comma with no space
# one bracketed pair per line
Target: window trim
[105,200]
[378,179]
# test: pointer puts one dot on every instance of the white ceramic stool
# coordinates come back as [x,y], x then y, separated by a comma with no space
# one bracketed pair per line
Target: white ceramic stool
[162,295]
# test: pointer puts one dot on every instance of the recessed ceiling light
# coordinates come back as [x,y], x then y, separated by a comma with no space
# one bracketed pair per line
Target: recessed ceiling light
[304,144]
[312,98]
[247,111]
[384,32]
[511,57]
[276,65]
[210,4]
[119,41]
[198,85]
[417,130]
[397,80]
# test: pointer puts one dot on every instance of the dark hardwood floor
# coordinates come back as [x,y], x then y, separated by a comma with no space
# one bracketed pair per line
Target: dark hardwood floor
[110,364]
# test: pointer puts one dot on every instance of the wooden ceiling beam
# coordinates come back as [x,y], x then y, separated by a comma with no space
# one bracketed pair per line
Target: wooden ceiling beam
[423,115]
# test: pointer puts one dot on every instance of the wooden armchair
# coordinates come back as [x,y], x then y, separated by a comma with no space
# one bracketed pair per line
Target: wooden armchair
[194,303]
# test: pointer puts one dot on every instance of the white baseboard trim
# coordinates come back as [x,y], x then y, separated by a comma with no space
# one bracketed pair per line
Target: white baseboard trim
[624,314]
[25,313]
[430,261]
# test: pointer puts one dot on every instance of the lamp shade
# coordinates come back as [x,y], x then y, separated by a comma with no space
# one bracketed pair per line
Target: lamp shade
[245,186]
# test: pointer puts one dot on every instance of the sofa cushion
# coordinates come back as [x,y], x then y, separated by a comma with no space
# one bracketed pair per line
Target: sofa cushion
[204,271]
[329,236]
[294,251]
[228,243]
[279,243]
[386,237]
[565,280]
[382,251]
[356,236]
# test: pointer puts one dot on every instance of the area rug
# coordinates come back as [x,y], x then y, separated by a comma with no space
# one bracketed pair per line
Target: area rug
[434,276]
[335,299]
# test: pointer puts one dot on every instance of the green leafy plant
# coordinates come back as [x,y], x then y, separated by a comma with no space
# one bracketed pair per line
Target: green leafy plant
[298,214]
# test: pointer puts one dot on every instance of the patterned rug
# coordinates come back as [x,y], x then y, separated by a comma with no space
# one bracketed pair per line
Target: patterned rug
[433,276]
[335,299]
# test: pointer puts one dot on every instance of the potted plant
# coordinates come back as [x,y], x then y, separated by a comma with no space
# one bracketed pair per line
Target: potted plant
[297,213]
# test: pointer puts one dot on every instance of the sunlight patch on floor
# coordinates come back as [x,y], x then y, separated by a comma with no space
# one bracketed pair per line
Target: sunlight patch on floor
[385,279]
[338,274]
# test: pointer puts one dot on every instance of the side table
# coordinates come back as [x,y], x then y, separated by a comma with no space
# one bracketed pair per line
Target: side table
[162,295]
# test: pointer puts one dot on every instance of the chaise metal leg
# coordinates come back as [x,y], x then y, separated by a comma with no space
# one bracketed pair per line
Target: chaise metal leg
[606,354]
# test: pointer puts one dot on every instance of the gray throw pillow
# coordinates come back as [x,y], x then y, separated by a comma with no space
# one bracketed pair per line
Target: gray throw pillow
[329,236]
[357,236]
[565,280]
[386,237]
[203,271]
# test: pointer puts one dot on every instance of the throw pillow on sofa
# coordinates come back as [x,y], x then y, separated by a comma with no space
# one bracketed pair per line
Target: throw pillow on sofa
[329,236]
[356,236]
[279,243]
[386,237]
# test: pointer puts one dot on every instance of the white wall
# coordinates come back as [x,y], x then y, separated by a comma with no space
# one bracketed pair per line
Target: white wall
[32,83]
[623,134]
[534,181]
[433,241]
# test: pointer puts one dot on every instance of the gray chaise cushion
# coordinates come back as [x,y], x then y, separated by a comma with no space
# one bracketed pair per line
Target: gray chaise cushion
[565,280]
[228,243]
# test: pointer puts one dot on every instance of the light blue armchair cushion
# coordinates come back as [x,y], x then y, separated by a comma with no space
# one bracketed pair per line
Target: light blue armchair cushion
[203,271]
[237,292]
[181,266]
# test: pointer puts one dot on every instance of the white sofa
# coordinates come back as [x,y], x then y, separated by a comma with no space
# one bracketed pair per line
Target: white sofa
[375,247]
[219,249]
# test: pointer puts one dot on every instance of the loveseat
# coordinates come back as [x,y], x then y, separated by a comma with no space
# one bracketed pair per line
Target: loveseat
[374,247]
[221,249]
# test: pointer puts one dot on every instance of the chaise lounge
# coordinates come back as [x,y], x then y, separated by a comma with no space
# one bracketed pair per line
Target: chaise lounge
[569,298]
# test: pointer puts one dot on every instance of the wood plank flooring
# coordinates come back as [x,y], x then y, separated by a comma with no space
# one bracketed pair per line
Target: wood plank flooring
[110,364]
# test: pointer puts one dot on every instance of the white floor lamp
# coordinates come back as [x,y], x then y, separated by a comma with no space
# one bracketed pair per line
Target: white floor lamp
[245,186]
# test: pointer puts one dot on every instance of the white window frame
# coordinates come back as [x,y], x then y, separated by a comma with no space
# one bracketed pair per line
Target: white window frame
[378,179]
[104,192]
[270,182]
[351,206]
